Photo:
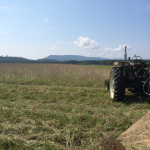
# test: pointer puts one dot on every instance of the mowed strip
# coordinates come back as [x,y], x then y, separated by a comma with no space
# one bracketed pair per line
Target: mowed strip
[138,133]
[147,141]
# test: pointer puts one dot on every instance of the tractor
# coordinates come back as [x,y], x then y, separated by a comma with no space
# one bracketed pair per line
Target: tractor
[133,74]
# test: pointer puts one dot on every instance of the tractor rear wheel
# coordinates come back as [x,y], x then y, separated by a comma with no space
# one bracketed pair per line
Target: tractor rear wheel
[116,84]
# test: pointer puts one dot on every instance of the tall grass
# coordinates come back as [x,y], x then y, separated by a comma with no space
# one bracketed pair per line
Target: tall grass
[53,74]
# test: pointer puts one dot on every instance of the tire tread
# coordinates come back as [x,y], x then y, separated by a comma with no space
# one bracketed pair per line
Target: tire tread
[119,85]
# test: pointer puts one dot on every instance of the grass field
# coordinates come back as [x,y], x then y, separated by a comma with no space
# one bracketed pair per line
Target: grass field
[54,106]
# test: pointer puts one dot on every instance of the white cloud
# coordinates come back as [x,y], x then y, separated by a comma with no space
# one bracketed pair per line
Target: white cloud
[115,49]
[128,47]
[3,7]
[87,43]
[89,55]
[60,42]
[53,48]
[120,48]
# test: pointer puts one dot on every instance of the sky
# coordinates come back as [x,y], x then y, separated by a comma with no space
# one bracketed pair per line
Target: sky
[35,29]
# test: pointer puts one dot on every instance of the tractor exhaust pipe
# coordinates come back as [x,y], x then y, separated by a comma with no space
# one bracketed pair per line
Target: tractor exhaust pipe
[125,54]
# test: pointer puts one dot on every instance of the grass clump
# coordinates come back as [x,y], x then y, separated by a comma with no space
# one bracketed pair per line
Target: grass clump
[110,143]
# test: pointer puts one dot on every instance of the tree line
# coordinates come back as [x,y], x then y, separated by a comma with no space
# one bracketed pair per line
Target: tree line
[85,62]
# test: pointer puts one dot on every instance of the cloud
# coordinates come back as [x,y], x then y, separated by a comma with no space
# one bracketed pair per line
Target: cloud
[3,7]
[53,48]
[128,47]
[89,55]
[87,43]
[120,48]
[60,42]
[115,49]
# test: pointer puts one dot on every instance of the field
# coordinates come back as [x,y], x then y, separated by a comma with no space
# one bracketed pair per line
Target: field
[55,106]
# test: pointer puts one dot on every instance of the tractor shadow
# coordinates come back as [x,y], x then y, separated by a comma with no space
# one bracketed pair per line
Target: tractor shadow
[136,98]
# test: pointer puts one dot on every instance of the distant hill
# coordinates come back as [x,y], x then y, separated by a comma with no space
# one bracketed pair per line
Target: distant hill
[72,57]
[10,59]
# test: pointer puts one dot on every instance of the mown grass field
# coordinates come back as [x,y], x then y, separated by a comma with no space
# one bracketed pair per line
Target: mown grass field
[54,106]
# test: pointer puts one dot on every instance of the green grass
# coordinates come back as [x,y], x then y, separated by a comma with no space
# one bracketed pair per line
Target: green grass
[44,106]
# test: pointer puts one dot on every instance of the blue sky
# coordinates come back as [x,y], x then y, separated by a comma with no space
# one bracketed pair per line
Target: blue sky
[35,29]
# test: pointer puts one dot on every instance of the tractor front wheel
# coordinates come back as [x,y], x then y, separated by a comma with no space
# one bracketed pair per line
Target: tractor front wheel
[116,84]
[107,84]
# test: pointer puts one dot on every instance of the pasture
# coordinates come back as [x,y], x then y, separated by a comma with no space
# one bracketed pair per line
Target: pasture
[58,106]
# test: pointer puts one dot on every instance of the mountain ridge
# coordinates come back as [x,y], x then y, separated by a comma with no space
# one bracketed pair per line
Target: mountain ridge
[72,57]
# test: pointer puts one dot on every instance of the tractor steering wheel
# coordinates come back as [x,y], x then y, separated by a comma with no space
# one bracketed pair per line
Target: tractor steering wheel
[137,59]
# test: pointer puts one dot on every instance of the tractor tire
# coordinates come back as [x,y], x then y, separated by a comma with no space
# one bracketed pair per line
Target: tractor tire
[116,84]
[107,84]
